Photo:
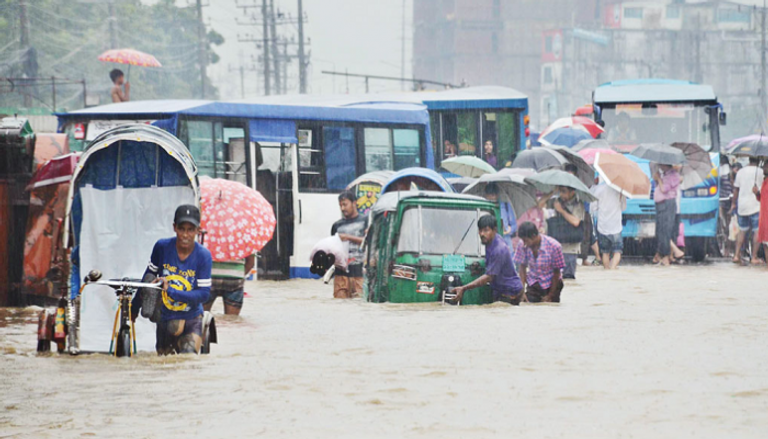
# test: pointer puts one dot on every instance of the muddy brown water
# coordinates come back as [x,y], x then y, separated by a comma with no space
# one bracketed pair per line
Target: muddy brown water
[642,352]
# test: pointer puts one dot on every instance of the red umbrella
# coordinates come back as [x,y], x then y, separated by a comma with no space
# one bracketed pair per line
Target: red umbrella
[588,154]
[55,171]
[237,220]
[131,57]
[576,122]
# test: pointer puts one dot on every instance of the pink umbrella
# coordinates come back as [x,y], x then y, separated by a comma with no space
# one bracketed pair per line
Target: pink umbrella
[55,171]
[588,154]
[577,122]
[238,221]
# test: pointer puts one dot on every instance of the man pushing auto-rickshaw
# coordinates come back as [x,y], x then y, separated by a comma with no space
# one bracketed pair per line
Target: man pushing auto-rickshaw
[184,268]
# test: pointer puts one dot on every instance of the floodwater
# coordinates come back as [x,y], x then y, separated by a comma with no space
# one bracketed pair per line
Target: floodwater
[642,352]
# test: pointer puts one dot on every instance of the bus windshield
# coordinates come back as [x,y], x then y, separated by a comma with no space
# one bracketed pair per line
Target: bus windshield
[632,124]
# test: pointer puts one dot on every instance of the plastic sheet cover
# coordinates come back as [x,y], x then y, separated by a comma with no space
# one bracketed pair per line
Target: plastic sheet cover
[119,229]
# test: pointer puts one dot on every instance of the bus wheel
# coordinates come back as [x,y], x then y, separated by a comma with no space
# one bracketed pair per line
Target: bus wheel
[697,248]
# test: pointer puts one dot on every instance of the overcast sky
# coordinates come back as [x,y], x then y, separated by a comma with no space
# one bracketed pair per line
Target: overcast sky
[360,36]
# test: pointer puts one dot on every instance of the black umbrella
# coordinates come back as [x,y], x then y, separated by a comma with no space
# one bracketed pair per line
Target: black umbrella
[752,148]
[539,159]
[584,171]
[659,153]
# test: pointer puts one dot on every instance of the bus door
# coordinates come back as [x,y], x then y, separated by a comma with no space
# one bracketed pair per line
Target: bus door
[326,163]
[274,180]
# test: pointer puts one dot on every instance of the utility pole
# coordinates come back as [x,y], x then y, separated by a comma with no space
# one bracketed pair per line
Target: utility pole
[302,61]
[201,40]
[23,24]
[265,42]
[763,104]
[112,26]
[286,60]
[275,48]
[402,53]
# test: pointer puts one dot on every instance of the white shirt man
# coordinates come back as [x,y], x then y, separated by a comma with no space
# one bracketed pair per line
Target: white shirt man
[607,209]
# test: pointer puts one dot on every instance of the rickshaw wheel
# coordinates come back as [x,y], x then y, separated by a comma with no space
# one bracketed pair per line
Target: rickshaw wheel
[205,347]
[123,348]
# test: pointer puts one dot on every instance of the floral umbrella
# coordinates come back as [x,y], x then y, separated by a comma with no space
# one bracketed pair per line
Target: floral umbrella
[131,57]
[238,221]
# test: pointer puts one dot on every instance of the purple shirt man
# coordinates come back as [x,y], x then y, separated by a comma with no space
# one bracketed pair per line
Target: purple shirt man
[541,262]
[667,190]
[498,263]
[499,271]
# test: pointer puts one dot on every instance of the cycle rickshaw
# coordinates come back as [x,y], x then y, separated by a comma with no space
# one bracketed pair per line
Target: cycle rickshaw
[122,199]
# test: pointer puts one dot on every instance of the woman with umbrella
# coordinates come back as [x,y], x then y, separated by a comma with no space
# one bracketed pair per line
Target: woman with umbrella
[667,180]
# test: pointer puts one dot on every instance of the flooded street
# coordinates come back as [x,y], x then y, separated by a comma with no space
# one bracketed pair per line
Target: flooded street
[642,352]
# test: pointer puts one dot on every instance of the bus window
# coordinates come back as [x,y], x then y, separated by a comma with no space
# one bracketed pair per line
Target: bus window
[198,135]
[378,149]
[434,129]
[507,129]
[219,151]
[235,165]
[406,144]
[340,157]
[467,133]
[310,160]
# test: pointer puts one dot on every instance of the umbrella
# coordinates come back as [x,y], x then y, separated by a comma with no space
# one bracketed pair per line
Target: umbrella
[589,154]
[539,159]
[622,174]
[55,171]
[467,166]
[591,143]
[736,142]
[459,183]
[755,147]
[659,153]
[584,171]
[698,165]
[238,220]
[564,137]
[580,123]
[131,57]
[524,172]
[548,181]
[513,188]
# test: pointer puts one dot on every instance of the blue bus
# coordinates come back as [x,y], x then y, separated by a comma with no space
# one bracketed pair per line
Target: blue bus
[462,120]
[665,111]
[298,156]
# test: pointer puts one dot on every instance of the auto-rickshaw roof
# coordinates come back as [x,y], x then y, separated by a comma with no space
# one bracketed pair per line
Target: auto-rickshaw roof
[416,172]
[388,202]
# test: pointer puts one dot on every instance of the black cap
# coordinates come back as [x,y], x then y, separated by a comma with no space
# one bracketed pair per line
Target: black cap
[187,213]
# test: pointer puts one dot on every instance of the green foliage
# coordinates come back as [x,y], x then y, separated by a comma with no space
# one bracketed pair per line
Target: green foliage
[70,35]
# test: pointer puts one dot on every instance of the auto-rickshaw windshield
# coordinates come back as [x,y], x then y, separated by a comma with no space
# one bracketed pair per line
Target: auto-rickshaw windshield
[429,230]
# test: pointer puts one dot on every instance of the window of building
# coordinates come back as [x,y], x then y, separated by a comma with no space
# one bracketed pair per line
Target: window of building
[633,12]
[673,12]
[378,149]
[733,15]
[494,42]
[548,75]
[548,44]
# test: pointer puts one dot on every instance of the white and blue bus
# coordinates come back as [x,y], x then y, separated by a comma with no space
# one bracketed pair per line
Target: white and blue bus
[465,117]
[665,111]
[298,156]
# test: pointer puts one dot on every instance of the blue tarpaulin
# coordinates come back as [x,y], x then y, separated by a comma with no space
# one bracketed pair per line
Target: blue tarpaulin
[272,130]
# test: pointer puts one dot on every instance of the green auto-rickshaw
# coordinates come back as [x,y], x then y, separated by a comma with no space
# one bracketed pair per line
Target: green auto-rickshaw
[420,244]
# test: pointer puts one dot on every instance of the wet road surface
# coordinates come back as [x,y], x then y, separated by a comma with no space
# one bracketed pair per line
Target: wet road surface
[642,352]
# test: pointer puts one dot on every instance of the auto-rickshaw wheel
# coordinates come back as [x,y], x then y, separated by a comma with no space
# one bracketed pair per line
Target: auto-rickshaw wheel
[123,347]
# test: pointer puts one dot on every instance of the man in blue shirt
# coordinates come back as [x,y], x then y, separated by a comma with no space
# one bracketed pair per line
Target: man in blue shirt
[499,270]
[184,268]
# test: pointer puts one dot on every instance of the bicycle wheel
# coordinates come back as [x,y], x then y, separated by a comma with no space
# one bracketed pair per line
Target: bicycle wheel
[123,347]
